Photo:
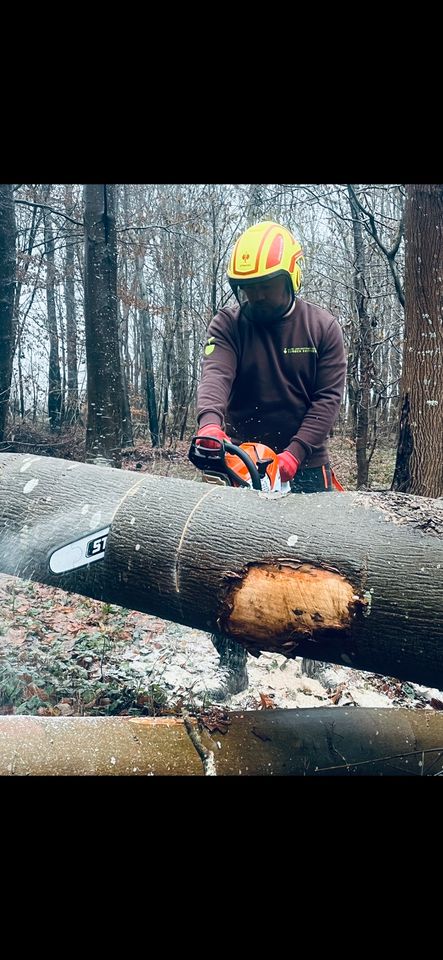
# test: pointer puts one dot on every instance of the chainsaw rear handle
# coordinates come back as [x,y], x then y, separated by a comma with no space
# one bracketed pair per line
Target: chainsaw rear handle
[207,459]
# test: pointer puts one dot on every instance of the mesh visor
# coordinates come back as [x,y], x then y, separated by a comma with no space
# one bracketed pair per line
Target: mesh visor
[239,288]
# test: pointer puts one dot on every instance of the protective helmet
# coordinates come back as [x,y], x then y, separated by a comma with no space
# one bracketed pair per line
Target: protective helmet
[265,250]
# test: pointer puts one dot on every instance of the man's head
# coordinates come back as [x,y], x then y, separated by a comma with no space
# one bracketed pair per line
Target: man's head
[265,270]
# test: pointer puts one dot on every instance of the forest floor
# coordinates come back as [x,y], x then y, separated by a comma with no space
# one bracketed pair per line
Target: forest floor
[66,655]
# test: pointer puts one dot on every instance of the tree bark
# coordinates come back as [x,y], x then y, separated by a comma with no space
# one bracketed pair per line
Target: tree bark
[419,465]
[346,578]
[54,376]
[324,742]
[72,400]
[7,289]
[363,344]
[145,326]
[104,426]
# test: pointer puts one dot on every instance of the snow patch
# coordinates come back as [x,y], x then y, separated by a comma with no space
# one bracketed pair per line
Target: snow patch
[30,485]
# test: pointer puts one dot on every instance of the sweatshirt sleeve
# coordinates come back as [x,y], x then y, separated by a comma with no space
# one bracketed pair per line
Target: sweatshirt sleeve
[326,396]
[218,370]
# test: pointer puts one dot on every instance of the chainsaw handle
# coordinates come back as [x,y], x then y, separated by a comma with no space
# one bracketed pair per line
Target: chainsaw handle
[206,459]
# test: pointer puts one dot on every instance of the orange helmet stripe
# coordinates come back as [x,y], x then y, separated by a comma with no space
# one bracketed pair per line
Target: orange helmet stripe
[275,251]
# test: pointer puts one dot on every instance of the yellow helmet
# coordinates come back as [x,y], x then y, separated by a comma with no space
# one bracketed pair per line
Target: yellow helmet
[265,250]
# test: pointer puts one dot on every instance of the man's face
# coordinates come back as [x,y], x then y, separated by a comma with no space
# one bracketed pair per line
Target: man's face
[268,300]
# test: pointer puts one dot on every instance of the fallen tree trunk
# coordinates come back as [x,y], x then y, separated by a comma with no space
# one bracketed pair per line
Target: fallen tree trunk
[355,579]
[321,742]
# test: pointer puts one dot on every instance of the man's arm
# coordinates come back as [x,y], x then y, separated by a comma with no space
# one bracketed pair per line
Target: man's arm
[218,371]
[326,396]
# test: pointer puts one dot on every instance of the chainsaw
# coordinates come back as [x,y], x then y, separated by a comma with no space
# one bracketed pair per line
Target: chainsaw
[248,465]
[251,465]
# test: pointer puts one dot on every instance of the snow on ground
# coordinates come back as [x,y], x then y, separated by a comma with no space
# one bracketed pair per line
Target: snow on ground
[59,651]
[184,662]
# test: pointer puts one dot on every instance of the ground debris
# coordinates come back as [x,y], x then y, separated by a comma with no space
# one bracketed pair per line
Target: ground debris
[62,654]
[422,513]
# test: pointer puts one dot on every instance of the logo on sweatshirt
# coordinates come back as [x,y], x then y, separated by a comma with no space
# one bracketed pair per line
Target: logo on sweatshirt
[210,347]
[299,349]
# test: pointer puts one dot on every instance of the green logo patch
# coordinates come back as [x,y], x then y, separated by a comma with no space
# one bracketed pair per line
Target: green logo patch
[210,347]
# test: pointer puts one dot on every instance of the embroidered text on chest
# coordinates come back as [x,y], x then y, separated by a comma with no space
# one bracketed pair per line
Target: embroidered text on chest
[299,349]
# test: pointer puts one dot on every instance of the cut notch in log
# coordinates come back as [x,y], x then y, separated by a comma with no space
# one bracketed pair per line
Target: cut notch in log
[282,603]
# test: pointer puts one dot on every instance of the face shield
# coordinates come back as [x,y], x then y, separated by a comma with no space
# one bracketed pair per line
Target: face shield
[265,299]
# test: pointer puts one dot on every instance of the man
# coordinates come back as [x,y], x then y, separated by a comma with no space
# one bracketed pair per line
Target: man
[273,371]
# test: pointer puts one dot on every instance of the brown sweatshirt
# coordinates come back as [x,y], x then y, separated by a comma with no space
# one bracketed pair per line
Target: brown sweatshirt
[278,383]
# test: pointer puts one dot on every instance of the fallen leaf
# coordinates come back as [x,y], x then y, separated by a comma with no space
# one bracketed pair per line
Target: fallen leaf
[266,702]
[33,691]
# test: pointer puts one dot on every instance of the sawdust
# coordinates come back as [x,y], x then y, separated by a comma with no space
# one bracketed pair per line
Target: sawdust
[186,664]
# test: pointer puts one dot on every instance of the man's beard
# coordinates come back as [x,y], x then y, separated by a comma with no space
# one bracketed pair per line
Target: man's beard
[263,313]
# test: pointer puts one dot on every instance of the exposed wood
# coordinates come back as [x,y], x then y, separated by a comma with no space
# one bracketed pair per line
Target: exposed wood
[326,741]
[271,595]
[239,562]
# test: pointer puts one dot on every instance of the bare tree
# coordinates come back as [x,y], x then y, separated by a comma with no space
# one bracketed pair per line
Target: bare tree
[54,378]
[72,403]
[362,346]
[145,326]
[389,252]
[419,465]
[7,284]
[104,424]
[127,436]
[24,260]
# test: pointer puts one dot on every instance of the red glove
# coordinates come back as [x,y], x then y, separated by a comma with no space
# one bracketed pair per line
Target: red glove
[210,430]
[288,466]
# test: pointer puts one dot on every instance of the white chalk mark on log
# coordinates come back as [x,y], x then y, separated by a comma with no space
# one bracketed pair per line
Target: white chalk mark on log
[197,505]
